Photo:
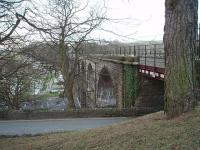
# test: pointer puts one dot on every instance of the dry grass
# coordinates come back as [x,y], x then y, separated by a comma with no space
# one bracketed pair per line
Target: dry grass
[148,132]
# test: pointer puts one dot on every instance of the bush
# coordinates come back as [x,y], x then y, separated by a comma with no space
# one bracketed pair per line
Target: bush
[27,111]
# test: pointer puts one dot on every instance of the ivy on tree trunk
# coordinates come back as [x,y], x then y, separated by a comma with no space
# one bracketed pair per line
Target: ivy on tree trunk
[179,41]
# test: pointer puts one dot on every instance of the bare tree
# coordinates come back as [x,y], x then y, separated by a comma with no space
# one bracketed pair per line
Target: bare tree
[68,24]
[179,41]
[9,18]
[10,41]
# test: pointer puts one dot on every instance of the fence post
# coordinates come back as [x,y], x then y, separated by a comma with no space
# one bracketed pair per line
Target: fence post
[134,51]
[145,55]
[139,53]
[124,51]
[154,57]
[129,50]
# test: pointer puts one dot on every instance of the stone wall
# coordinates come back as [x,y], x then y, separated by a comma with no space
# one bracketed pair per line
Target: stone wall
[79,113]
[150,95]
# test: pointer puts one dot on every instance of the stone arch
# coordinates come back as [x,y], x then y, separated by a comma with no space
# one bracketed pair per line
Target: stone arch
[90,77]
[105,89]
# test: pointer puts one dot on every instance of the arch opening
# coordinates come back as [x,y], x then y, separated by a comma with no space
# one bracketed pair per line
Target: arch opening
[105,91]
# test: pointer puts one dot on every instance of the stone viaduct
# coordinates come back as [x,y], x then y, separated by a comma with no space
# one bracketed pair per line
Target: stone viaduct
[125,77]
[117,82]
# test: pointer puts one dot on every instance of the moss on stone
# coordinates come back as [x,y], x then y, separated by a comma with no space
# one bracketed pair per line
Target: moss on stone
[130,85]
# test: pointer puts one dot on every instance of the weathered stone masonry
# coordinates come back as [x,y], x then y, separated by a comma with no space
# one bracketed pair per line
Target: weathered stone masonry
[129,88]
[123,76]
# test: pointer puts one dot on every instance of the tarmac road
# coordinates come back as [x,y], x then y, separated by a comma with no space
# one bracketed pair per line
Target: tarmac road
[33,127]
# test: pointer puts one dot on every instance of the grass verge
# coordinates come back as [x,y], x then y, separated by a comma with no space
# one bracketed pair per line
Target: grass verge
[147,132]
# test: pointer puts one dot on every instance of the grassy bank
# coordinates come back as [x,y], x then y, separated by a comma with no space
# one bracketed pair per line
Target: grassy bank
[148,132]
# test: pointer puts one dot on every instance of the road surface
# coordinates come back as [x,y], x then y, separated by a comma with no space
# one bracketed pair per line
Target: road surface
[33,127]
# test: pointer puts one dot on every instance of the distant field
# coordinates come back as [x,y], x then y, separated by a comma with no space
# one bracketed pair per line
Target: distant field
[148,132]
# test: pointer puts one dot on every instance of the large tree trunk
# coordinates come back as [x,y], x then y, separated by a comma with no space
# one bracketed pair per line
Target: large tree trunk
[70,97]
[16,99]
[179,40]
[67,72]
[68,91]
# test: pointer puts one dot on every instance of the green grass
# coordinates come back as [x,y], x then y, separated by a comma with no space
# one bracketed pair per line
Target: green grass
[148,132]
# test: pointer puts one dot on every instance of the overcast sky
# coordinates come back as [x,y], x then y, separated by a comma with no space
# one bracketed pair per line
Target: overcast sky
[139,20]
[145,19]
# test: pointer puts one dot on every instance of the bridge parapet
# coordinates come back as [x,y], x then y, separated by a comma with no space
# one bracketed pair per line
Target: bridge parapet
[120,59]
